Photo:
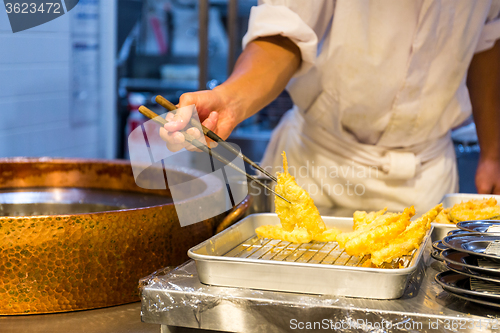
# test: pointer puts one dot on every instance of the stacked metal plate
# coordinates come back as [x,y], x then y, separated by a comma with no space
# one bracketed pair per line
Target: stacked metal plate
[472,255]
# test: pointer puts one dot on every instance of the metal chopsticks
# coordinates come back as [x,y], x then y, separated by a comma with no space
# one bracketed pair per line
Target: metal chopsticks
[189,138]
[171,107]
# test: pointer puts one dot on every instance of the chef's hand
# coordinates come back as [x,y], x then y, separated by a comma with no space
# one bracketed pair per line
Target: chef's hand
[259,76]
[215,111]
[488,176]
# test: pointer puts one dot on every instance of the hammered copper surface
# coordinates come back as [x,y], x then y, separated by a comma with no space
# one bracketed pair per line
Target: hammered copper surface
[73,262]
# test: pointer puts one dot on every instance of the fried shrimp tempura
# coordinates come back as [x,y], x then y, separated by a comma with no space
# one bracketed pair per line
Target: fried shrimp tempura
[373,238]
[407,241]
[443,217]
[301,212]
[329,235]
[379,221]
[485,209]
[298,235]
[362,219]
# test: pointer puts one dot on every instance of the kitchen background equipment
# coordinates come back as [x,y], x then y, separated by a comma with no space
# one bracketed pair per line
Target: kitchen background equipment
[218,263]
[204,40]
[79,234]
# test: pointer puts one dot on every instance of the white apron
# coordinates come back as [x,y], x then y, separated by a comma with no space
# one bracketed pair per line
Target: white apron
[376,99]
[340,174]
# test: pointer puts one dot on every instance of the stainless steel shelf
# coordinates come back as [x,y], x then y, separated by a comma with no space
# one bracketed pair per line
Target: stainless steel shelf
[144,84]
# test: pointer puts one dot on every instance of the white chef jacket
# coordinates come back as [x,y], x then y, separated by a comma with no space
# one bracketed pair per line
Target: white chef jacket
[381,84]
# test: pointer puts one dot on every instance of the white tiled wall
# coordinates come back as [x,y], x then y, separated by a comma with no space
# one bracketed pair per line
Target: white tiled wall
[35,95]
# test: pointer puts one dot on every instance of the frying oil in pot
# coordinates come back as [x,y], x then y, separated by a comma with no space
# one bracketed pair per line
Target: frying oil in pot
[61,201]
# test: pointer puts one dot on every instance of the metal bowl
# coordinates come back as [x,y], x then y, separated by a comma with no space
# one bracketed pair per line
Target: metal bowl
[79,234]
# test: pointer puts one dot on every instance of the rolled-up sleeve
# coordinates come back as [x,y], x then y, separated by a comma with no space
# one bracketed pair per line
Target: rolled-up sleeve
[303,22]
[491,30]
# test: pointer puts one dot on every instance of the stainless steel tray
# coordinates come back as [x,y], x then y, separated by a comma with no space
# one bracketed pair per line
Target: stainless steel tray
[452,199]
[237,258]
[449,200]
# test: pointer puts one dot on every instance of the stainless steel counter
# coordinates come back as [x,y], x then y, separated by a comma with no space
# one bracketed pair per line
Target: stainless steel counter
[179,299]
[117,319]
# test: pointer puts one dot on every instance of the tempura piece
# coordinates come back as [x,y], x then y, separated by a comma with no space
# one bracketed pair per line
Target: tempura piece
[298,235]
[329,235]
[485,209]
[443,217]
[379,221]
[373,238]
[409,240]
[362,219]
[301,212]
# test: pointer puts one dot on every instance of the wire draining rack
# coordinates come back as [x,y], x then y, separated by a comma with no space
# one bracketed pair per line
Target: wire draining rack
[236,257]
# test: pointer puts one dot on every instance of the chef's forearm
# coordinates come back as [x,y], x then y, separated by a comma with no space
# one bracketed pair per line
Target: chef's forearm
[260,74]
[484,87]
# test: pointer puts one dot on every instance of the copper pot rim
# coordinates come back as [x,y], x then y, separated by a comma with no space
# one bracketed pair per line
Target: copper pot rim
[213,185]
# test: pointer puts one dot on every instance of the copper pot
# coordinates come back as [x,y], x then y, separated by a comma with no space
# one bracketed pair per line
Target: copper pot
[90,259]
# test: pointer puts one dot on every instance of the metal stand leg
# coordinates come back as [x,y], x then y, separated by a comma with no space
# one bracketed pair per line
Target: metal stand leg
[165,329]
[203,8]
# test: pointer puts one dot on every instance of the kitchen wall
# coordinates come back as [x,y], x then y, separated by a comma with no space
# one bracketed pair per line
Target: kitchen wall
[37,93]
